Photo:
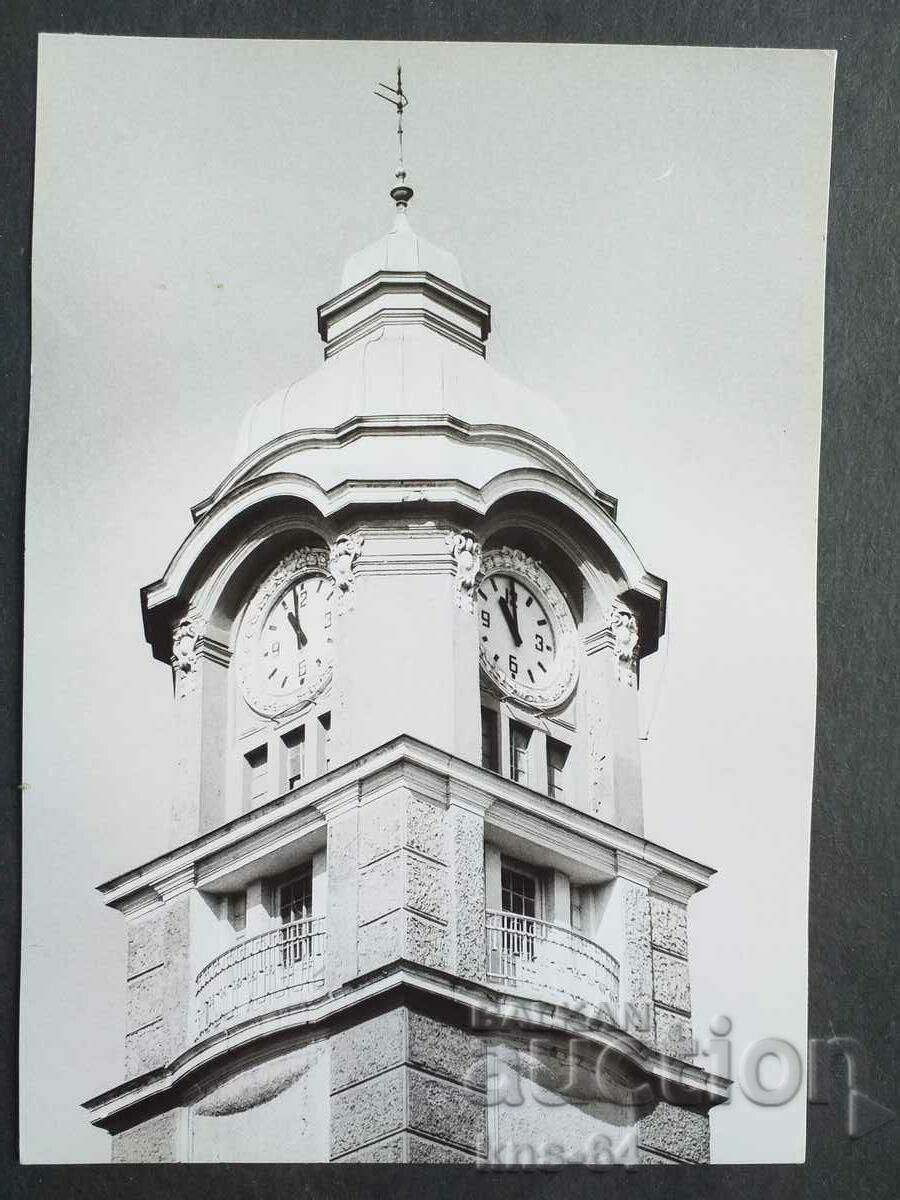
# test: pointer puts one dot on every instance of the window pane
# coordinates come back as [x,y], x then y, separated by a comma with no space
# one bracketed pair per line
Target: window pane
[295,746]
[237,911]
[257,775]
[519,737]
[518,892]
[557,755]
[490,740]
[295,899]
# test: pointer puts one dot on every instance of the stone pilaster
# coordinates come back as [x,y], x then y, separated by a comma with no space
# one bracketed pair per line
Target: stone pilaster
[635,945]
[405,849]
[609,709]
[160,984]
[342,859]
[406,1087]
[201,682]
[671,982]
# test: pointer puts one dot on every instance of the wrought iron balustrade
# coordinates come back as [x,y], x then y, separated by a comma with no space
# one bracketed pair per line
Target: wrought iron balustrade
[261,973]
[550,962]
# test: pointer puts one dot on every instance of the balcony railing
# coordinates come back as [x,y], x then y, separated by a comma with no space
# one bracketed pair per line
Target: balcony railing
[550,962]
[261,973]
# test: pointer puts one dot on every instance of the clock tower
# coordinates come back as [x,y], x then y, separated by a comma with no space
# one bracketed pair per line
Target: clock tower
[409,912]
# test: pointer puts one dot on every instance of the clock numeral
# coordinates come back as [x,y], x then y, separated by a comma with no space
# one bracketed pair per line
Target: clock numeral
[485,618]
[513,666]
[538,643]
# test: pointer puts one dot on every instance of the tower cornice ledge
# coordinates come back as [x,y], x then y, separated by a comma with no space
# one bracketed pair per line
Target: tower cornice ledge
[384,298]
[139,1097]
[267,456]
[246,839]
[647,590]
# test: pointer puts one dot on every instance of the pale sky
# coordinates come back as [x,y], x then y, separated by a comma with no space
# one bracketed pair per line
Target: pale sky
[648,225]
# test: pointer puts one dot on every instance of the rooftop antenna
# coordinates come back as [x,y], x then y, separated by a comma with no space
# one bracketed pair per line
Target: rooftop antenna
[400,193]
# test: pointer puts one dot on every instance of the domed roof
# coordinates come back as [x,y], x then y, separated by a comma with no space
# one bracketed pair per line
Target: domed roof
[402,371]
[403,338]
[401,250]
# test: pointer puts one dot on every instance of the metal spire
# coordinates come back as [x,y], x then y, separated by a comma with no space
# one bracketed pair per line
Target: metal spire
[400,193]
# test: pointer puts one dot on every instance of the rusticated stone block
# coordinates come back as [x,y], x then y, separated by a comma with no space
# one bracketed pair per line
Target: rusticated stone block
[145,1048]
[447,1111]
[441,1048]
[381,887]
[367,1112]
[343,883]
[669,925]
[427,942]
[381,941]
[367,1049]
[673,1034]
[146,999]
[671,982]
[382,825]
[179,982]
[682,1132]
[153,1141]
[391,1150]
[426,886]
[145,943]
[426,829]
[636,971]
[422,1150]
[467,890]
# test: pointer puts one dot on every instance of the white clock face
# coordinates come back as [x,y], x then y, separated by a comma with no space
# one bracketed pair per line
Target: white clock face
[286,647]
[295,639]
[516,633]
[525,630]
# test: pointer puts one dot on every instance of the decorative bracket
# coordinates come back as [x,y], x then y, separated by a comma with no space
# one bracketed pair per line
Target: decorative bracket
[344,555]
[185,641]
[624,627]
[467,554]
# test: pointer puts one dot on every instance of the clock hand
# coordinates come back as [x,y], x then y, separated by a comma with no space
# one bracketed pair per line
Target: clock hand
[514,602]
[508,617]
[294,623]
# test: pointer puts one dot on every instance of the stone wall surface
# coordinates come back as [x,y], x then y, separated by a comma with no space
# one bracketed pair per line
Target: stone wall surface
[159,987]
[407,1087]
[157,1140]
[682,1133]
[276,1111]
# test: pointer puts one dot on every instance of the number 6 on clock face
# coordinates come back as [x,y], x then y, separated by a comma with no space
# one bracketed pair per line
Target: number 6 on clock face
[525,629]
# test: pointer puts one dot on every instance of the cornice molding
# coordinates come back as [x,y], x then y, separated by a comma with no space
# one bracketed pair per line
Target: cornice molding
[386,283]
[410,315]
[427,771]
[238,503]
[699,1086]
[635,868]
[404,425]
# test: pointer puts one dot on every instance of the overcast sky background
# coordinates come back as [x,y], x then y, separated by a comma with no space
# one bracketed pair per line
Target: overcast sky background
[648,225]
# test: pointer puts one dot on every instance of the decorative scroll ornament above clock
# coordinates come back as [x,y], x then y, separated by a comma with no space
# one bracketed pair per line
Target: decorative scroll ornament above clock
[527,638]
[284,650]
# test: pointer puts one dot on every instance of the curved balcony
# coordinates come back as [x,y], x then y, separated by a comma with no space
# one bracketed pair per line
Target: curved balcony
[261,973]
[550,962]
